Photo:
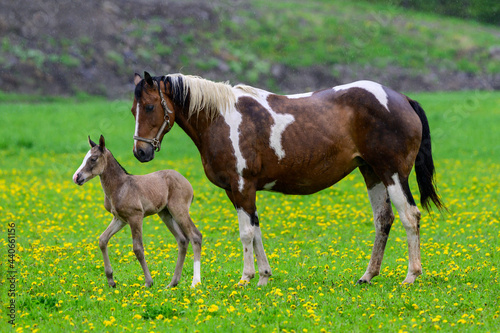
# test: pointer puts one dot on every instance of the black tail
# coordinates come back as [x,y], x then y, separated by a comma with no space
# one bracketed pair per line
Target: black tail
[424,165]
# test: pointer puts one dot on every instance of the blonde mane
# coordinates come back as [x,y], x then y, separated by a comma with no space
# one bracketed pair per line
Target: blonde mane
[213,97]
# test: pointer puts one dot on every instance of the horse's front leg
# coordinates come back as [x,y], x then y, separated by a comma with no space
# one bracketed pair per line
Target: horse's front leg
[250,235]
[115,226]
[136,228]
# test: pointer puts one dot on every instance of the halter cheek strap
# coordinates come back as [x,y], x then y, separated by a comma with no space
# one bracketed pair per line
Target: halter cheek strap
[155,142]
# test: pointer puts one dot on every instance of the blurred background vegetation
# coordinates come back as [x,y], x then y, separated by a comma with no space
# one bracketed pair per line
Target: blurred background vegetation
[61,47]
[487,11]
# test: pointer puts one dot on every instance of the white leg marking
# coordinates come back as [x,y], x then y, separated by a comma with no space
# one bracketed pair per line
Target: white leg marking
[233,119]
[196,274]
[75,175]
[409,216]
[398,198]
[247,234]
[374,88]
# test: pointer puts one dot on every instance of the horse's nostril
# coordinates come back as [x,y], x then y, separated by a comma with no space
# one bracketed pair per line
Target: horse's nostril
[141,153]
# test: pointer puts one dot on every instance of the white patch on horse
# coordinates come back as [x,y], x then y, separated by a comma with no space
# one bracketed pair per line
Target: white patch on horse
[196,274]
[269,186]
[233,119]
[377,198]
[136,122]
[281,122]
[296,96]
[75,175]
[374,88]
[398,198]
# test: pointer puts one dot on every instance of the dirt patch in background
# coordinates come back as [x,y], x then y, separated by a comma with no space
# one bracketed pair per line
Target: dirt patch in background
[61,47]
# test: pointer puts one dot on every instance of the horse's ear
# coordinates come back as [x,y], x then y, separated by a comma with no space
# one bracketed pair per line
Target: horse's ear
[92,143]
[137,79]
[102,145]
[148,78]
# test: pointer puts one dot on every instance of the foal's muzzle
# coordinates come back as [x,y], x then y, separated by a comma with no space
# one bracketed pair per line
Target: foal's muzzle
[78,179]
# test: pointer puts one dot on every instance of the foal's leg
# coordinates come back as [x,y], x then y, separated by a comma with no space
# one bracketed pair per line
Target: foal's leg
[182,244]
[115,226]
[399,192]
[136,228]
[179,210]
[251,236]
[382,218]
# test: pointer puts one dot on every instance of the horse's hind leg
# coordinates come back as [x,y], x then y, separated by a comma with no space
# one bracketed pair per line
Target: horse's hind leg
[182,244]
[400,194]
[115,226]
[382,218]
[180,212]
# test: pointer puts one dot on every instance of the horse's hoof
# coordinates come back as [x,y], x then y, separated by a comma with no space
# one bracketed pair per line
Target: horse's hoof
[263,281]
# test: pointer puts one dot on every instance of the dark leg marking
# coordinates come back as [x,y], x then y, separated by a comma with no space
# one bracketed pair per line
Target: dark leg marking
[254,220]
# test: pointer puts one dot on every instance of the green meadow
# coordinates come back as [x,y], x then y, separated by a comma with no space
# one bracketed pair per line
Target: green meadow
[318,245]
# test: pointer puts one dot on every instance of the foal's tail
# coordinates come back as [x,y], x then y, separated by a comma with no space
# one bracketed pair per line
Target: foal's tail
[424,165]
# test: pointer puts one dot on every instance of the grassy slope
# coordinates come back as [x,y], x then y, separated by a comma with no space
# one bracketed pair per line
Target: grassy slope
[362,34]
[318,245]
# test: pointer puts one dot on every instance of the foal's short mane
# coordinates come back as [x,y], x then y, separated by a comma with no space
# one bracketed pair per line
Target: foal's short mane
[213,97]
[110,153]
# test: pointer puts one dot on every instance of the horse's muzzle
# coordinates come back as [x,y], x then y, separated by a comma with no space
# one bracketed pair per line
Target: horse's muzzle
[144,154]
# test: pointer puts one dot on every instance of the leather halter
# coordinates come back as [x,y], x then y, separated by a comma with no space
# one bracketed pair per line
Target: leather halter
[155,142]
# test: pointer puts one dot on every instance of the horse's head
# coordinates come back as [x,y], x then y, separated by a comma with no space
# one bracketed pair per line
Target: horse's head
[153,114]
[93,164]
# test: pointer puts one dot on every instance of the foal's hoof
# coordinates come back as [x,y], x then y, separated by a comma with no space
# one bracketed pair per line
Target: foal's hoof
[148,284]
[195,283]
[243,283]
[362,281]
[172,285]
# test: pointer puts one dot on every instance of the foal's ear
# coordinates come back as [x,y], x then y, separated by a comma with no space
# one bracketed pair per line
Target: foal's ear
[92,143]
[102,145]
[148,78]
[137,79]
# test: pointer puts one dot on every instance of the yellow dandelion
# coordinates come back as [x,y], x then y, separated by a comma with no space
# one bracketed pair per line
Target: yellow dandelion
[213,308]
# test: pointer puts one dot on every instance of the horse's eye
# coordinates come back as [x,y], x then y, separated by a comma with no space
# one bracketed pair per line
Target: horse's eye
[149,108]
[93,158]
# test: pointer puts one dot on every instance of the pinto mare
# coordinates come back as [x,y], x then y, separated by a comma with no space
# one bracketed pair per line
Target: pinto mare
[130,198]
[252,140]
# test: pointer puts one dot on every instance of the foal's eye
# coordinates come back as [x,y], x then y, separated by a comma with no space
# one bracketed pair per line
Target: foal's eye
[149,108]
[93,159]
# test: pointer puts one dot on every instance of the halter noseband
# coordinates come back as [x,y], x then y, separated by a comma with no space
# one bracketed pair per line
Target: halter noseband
[155,142]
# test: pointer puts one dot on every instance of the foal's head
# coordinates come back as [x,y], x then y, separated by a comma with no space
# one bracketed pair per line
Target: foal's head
[93,164]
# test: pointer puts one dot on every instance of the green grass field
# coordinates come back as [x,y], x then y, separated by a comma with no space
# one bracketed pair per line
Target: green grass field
[318,245]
